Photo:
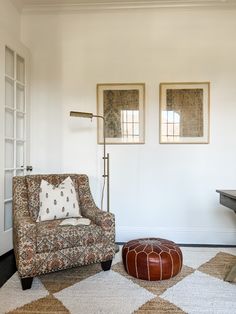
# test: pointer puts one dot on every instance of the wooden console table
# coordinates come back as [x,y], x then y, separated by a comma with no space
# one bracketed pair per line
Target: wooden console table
[228,199]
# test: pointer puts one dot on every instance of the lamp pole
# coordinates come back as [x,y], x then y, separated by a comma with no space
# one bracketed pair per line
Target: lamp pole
[106,165]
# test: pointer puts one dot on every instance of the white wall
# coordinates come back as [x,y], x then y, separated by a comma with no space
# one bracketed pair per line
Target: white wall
[156,190]
[10,19]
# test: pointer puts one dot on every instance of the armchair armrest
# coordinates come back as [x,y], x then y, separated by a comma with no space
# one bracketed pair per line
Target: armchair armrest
[24,230]
[90,210]
[103,219]
[25,245]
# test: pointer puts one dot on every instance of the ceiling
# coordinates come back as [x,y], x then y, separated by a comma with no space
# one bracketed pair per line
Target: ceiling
[42,6]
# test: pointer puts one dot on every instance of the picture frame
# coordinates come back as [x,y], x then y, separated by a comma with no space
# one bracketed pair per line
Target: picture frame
[123,107]
[184,113]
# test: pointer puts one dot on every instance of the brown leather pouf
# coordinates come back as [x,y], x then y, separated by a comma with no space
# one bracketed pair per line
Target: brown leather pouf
[152,258]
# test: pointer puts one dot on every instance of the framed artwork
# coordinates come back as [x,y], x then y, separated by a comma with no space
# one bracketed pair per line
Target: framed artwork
[122,106]
[184,113]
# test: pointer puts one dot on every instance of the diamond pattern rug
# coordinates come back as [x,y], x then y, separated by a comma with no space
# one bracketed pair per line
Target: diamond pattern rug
[198,288]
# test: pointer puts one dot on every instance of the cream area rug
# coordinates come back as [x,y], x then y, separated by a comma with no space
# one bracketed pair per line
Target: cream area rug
[198,288]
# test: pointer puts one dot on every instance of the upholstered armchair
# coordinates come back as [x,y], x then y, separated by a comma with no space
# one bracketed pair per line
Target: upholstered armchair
[43,247]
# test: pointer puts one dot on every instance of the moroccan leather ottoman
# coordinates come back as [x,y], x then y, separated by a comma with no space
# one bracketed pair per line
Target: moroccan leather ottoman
[152,258]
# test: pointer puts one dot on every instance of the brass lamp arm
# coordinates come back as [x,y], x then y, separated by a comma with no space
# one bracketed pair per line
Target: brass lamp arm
[105,156]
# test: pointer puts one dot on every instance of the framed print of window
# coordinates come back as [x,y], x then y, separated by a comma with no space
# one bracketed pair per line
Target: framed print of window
[122,106]
[184,113]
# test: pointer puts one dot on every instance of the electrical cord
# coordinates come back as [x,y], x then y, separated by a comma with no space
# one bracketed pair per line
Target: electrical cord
[103,190]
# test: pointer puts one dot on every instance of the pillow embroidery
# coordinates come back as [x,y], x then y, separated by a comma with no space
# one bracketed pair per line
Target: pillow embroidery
[57,202]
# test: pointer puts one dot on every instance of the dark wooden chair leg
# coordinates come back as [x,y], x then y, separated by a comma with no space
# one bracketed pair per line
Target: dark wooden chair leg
[26,283]
[106,265]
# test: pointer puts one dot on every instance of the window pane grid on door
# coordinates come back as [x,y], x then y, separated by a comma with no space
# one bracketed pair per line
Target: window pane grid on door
[8,184]
[20,97]
[9,93]
[9,154]
[19,172]
[9,123]
[9,62]
[20,69]
[20,154]
[15,124]
[20,126]
[7,215]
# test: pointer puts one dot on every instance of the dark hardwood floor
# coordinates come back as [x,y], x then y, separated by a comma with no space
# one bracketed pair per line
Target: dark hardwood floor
[7,266]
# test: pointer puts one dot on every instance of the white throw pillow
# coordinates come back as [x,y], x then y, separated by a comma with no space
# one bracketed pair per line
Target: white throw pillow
[58,202]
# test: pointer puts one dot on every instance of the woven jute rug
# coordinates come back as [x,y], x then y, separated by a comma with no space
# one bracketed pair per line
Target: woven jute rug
[198,288]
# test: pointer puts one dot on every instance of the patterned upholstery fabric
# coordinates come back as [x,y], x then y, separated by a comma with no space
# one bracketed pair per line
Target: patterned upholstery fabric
[45,246]
[52,237]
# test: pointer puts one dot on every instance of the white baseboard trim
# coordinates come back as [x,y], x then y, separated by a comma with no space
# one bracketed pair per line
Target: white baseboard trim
[179,235]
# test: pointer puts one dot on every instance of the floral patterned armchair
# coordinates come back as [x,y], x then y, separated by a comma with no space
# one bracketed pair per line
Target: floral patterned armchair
[42,247]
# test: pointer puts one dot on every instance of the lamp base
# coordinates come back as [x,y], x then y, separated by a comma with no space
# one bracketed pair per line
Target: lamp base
[117,248]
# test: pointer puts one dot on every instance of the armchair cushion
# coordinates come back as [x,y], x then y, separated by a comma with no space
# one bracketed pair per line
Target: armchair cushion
[51,236]
[58,202]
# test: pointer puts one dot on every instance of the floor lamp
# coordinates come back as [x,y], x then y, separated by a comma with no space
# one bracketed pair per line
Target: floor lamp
[106,174]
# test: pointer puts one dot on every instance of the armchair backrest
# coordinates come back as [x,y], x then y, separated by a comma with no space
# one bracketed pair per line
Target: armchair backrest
[26,191]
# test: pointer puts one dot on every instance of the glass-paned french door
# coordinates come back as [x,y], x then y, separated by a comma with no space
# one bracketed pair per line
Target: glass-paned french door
[14,137]
[14,126]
